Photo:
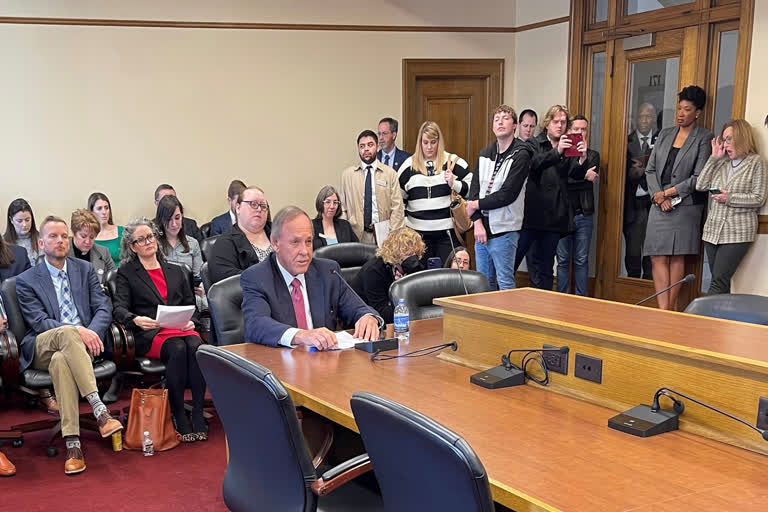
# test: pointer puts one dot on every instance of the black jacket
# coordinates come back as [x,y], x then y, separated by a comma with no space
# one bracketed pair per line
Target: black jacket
[232,253]
[581,193]
[372,285]
[137,295]
[343,230]
[191,229]
[19,264]
[546,195]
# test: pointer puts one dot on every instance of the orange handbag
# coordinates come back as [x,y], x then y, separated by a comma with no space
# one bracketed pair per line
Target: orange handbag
[150,412]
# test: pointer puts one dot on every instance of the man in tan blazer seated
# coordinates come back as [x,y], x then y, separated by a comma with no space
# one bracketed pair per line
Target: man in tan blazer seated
[370,192]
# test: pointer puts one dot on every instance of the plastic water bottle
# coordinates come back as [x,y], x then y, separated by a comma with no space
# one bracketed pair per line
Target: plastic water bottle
[148,445]
[402,326]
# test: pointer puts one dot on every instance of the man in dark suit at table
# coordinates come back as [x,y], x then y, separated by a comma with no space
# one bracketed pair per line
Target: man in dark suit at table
[389,154]
[225,221]
[67,314]
[292,299]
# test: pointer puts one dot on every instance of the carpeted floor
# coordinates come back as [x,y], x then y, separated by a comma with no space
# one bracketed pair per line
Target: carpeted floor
[186,478]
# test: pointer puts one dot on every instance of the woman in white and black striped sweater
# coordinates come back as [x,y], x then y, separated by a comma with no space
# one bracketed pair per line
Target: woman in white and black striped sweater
[427,180]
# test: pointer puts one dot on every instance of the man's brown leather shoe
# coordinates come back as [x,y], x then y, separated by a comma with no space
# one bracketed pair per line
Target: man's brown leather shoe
[6,467]
[49,403]
[75,461]
[108,425]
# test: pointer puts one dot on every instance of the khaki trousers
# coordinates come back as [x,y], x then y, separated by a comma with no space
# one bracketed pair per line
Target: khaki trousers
[61,353]
[368,238]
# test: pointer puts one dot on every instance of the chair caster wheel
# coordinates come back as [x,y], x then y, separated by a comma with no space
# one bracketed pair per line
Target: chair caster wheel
[52,451]
[17,443]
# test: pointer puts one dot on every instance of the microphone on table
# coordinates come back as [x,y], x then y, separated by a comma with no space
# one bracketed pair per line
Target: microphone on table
[507,374]
[687,279]
[461,276]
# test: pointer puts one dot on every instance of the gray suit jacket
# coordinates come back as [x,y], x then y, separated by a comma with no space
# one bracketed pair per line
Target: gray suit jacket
[689,162]
[100,259]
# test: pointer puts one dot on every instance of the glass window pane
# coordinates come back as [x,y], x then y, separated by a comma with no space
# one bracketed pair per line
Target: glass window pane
[652,103]
[638,6]
[595,140]
[601,10]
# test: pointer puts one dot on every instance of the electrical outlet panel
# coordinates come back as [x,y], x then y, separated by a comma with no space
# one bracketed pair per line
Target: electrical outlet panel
[762,413]
[556,361]
[589,368]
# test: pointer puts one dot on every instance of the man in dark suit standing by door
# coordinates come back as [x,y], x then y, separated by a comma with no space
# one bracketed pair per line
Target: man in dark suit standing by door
[292,299]
[67,314]
[389,154]
[637,201]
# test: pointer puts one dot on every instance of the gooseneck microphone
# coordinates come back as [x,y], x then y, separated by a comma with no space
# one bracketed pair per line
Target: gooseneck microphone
[381,322]
[461,276]
[687,279]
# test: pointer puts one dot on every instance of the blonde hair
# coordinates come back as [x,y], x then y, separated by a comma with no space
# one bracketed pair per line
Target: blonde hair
[431,130]
[84,219]
[552,112]
[743,138]
[400,243]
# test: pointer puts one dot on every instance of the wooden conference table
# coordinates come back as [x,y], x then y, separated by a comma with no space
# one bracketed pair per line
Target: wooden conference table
[543,450]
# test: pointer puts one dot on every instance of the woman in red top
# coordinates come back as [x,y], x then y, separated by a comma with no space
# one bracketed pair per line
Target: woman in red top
[145,281]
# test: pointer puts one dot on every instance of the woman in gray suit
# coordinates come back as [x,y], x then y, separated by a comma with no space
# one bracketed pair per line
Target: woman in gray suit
[85,227]
[674,222]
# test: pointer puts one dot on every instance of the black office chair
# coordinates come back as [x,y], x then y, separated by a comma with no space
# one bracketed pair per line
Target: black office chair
[32,381]
[269,465]
[350,257]
[421,288]
[205,230]
[205,277]
[225,300]
[741,307]
[206,246]
[9,376]
[420,464]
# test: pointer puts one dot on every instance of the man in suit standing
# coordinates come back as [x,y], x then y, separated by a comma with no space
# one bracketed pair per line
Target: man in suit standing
[389,154]
[370,192]
[67,315]
[190,225]
[292,299]
[637,201]
[225,221]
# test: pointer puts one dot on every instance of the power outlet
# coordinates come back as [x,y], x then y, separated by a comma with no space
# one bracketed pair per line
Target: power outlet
[556,361]
[589,368]
[762,413]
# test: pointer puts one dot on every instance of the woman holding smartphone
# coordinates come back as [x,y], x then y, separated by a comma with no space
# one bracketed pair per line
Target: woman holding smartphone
[735,176]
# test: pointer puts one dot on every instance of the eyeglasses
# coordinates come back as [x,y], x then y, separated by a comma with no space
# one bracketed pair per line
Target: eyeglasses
[728,140]
[461,262]
[255,205]
[330,202]
[144,240]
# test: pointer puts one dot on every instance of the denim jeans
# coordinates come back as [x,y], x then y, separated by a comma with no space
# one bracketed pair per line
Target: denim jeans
[495,260]
[577,245]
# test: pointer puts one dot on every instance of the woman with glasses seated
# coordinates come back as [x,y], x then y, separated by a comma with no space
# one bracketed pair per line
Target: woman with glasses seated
[247,243]
[145,280]
[459,258]
[328,226]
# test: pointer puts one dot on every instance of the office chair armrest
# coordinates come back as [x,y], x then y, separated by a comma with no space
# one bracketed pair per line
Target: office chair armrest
[9,349]
[118,343]
[341,474]
[128,344]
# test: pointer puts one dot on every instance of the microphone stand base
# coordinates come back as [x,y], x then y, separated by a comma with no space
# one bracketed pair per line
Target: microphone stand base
[381,345]
[641,421]
[498,377]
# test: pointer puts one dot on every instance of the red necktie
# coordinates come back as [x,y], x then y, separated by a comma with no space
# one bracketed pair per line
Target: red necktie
[298,304]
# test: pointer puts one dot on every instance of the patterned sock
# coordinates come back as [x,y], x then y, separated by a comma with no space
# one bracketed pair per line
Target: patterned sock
[96,403]
[72,441]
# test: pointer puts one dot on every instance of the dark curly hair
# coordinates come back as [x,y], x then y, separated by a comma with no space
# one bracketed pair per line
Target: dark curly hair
[695,95]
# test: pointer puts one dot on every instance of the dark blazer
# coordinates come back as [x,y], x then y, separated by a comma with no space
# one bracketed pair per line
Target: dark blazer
[99,257]
[632,203]
[268,309]
[372,285]
[191,229]
[232,254]
[19,264]
[343,230]
[137,295]
[581,193]
[40,306]
[400,157]
[688,164]
[221,224]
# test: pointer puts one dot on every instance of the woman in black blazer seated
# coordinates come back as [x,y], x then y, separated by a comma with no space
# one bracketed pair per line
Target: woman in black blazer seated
[145,281]
[399,255]
[674,221]
[13,260]
[328,226]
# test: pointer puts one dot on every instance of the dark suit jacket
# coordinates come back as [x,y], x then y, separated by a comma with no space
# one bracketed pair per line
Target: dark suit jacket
[221,224]
[400,157]
[232,254]
[99,257]
[191,229]
[632,203]
[372,285]
[137,295]
[19,264]
[268,309]
[343,230]
[40,307]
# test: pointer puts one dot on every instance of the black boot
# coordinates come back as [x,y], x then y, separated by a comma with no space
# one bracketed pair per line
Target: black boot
[113,393]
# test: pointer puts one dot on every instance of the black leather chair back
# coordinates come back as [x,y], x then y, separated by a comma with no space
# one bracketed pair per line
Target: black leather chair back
[225,300]
[350,257]
[205,276]
[741,307]
[205,230]
[269,465]
[206,246]
[16,323]
[421,288]
[419,464]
